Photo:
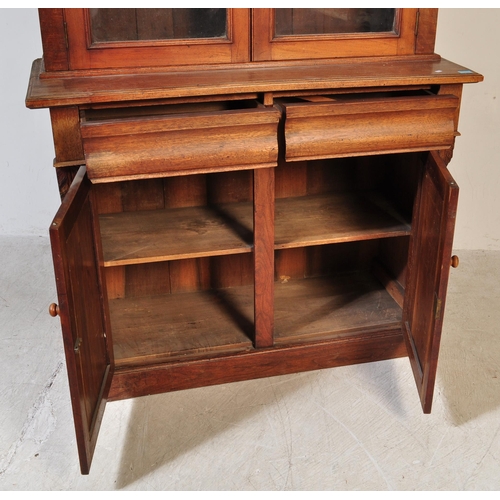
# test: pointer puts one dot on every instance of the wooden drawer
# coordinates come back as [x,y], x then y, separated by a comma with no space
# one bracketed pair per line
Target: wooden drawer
[337,126]
[179,139]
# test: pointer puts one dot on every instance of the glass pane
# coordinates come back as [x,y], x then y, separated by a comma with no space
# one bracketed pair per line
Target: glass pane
[329,21]
[120,25]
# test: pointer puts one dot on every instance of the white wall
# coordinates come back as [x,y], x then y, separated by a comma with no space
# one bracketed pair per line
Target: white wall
[28,188]
[471,37]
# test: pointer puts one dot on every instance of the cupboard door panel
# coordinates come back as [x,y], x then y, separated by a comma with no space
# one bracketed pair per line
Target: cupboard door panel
[281,35]
[77,264]
[126,38]
[428,271]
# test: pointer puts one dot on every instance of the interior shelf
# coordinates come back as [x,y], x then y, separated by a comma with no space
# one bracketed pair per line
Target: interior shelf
[332,307]
[154,329]
[168,234]
[335,218]
[189,325]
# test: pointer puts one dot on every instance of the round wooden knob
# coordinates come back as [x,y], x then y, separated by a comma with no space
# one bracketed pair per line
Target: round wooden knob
[54,310]
[454,261]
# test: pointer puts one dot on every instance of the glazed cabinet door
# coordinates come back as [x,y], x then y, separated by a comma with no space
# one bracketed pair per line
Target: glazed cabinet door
[428,271]
[103,38]
[285,34]
[82,310]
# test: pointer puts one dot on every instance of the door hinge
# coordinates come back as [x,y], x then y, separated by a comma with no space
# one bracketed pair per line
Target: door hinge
[78,343]
[437,307]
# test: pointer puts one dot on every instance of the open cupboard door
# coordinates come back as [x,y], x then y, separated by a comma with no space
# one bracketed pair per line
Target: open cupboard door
[77,259]
[428,271]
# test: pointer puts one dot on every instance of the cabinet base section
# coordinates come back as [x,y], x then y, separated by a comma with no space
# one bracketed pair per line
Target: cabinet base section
[374,346]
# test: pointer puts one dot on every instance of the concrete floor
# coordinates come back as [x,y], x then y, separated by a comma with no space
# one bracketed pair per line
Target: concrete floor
[352,428]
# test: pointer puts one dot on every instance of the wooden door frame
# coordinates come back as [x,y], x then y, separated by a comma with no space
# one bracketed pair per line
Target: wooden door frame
[417,28]
[65,40]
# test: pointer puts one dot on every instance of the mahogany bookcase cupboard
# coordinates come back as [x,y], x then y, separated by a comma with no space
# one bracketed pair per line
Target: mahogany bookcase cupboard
[246,193]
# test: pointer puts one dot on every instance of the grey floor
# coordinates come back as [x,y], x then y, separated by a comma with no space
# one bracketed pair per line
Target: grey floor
[351,428]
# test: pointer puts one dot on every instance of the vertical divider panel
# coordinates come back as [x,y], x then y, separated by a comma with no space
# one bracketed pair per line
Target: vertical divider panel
[263,228]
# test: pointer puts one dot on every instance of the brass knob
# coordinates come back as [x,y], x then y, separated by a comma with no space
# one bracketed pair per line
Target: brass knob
[455,261]
[54,310]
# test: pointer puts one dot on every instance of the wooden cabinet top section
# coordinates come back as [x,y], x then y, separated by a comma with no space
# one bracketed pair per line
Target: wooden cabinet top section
[120,57]
[245,80]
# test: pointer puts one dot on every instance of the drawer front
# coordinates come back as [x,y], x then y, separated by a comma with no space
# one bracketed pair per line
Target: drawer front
[176,144]
[334,128]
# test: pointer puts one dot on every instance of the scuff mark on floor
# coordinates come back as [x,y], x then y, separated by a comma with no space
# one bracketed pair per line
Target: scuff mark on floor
[39,424]
[361,445]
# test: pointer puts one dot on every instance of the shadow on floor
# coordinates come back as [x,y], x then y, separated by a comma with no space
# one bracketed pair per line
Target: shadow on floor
[163,428]
[469,360]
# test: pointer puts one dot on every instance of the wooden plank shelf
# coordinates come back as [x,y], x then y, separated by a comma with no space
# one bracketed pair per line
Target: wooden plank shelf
[335,218]
[180,326]
[332,307]
[176,233]
[179,233]
[211,323]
